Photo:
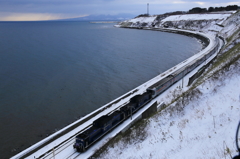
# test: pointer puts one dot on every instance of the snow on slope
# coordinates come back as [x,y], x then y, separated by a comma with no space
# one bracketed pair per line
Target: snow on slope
[231,25]
[143,19]
[211,23]
[195,17]
[208,23]
[137,22]
[201,126]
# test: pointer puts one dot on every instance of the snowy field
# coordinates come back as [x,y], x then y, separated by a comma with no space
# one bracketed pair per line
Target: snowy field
[196,17]
[202,125]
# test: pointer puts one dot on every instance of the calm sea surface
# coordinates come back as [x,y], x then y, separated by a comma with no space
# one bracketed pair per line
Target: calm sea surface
[52,73]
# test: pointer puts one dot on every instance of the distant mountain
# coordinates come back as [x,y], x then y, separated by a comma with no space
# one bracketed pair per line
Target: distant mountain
[118,17]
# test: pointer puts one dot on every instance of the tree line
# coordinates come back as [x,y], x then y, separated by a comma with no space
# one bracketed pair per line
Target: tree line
[214,9]
[198,10]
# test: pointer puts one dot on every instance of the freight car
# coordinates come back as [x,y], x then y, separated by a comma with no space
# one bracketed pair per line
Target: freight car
[106,123]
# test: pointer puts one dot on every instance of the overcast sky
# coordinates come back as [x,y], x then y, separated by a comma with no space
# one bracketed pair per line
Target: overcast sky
[60,9]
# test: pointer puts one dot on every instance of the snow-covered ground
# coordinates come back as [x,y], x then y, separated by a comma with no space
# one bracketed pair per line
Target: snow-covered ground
[196,17]
[143,19]
[202,124]
[211,23]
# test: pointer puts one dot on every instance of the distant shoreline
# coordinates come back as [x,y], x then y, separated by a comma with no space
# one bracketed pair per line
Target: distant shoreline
[104,22]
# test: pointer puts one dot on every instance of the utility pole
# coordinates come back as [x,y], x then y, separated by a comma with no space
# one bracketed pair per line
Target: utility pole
[148,9]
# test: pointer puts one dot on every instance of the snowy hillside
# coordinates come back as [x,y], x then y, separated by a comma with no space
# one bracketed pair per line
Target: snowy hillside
[143,19]
[209,23]
[231,25]
[196,17]
[202,123]
[196,22]
[138,22]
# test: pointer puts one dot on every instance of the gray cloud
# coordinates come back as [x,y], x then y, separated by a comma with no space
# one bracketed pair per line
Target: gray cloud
[83,7]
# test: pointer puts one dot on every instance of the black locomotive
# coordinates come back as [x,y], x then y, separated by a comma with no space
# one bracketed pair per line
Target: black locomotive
[106,123]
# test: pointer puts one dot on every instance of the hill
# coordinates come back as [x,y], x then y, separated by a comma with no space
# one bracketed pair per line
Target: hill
[102,17]
[202,122]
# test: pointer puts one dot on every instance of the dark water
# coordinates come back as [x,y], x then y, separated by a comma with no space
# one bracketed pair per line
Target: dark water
[52,73]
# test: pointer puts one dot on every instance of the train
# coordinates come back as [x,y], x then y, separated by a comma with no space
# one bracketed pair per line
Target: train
[106,123]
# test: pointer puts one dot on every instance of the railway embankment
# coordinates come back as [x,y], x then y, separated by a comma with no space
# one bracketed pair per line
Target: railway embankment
[176,142]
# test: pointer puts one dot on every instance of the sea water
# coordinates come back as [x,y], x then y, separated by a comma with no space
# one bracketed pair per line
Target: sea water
[53,73]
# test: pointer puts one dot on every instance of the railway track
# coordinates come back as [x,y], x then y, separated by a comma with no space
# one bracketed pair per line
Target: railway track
[60,148]
[64,146]
[64,149]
